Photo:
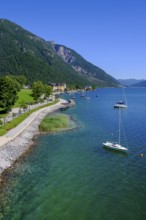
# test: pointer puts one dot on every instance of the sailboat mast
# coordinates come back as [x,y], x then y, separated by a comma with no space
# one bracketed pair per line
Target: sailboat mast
[125,97]
[119,124]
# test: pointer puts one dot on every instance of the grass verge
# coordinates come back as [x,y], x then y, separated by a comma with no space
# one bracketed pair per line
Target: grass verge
[19,119]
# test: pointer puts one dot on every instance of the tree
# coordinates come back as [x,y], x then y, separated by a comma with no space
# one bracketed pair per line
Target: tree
[37,90]
[47,91]
[77,87]
[14,78]
[8,92]
[20,79]
[1,122]
[23,105]
[94,87]
[13,116]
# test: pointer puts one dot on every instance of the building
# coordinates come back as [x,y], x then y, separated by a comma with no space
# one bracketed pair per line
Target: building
[88,87]
[58,87]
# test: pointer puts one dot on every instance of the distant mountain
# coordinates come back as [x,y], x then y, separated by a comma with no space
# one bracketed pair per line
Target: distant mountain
[83,67]
[140,84]
[22,52]
[129,82]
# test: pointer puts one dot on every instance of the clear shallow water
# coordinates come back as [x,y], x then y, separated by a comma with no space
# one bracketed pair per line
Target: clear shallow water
[71,176]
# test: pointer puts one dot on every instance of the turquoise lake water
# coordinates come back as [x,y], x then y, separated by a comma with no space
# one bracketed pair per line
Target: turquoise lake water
[71,176]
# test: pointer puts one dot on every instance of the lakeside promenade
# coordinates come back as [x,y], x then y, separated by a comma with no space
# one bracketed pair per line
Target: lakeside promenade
[18,140]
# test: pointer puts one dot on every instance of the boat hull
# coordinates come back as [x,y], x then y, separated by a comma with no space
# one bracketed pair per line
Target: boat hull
[120,106]
[115,146]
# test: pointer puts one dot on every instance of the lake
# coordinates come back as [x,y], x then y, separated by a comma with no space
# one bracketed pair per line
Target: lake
[71,176]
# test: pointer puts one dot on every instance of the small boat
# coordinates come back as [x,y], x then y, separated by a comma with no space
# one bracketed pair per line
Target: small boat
[120,104]
[113,145]
[87,97]
[123,102]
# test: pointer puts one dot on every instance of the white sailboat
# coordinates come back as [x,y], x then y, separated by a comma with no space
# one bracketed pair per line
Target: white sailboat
[123,102]
[113,145]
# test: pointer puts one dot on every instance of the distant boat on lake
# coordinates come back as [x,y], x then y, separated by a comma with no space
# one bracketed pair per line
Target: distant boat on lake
[123,102]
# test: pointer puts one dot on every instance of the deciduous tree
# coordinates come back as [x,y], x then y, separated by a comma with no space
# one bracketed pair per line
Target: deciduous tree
[37,90]
[47,91]
[8,92]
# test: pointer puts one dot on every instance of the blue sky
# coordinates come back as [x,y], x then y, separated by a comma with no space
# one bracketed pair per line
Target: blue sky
[108,33]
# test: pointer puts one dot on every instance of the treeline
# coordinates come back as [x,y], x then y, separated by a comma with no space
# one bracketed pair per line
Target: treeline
[11,85]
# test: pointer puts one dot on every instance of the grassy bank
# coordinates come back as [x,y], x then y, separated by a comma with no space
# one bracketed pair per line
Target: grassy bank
[54,123]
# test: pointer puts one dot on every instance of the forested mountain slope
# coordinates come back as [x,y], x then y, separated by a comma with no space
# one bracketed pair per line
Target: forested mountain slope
[23,53]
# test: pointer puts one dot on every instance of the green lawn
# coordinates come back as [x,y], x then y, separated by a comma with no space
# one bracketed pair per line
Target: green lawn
[25,96]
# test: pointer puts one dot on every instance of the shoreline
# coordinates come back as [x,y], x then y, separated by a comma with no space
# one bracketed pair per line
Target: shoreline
[18,143]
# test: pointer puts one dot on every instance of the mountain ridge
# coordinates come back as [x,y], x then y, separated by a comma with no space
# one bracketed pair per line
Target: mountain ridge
[24,53]
[140,84]
[130,82]
[77,62]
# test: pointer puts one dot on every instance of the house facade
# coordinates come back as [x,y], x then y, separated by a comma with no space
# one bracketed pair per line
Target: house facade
[58,87]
